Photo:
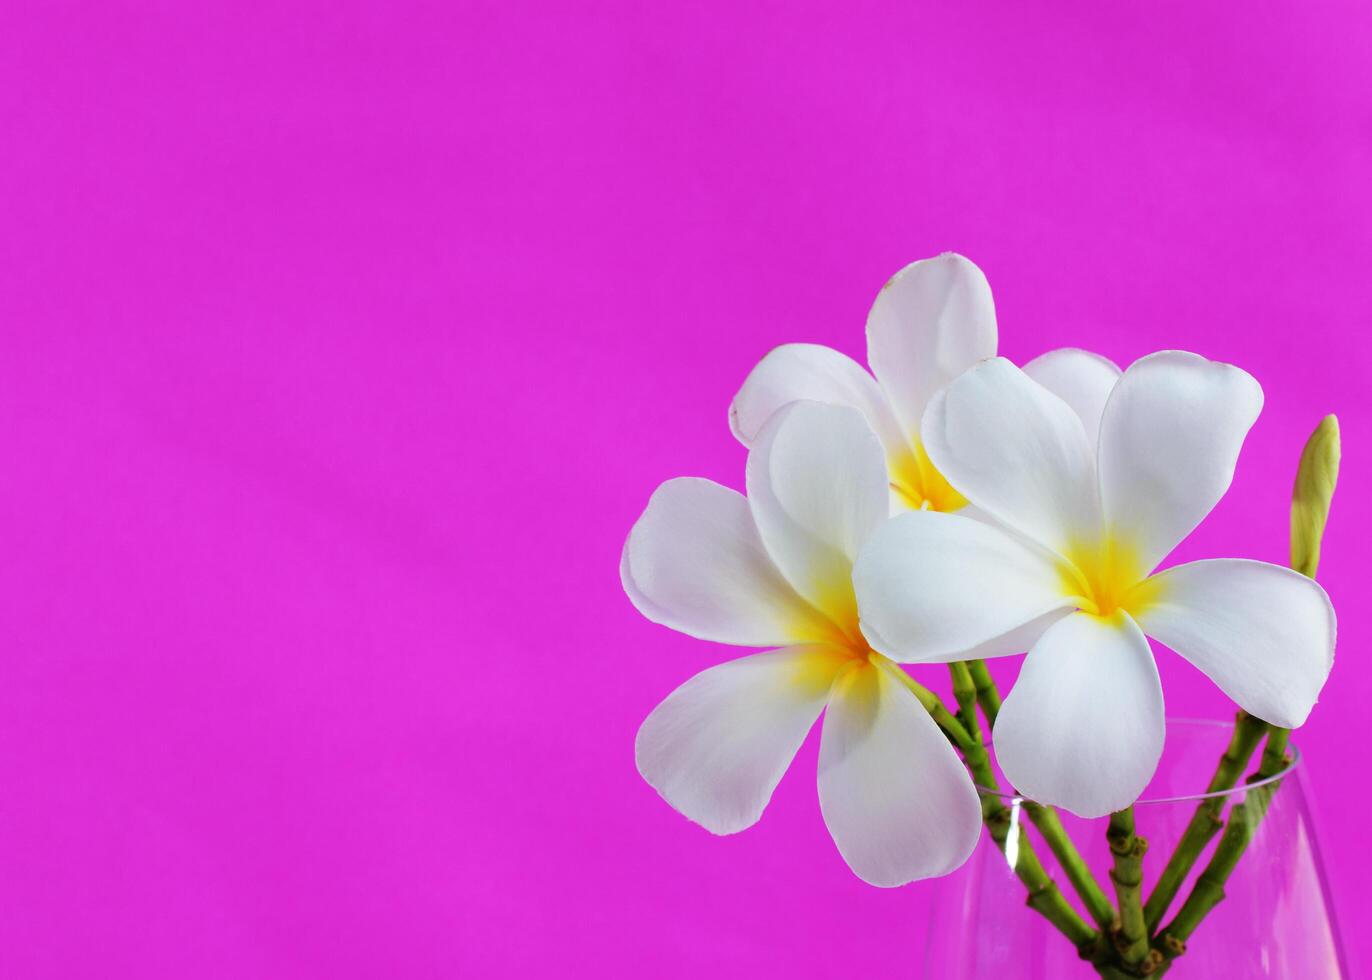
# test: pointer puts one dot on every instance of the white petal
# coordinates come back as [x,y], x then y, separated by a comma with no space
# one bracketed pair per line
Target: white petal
[810,372]
[694,562]
[817,486]
[1080,378]
[899,804]
[931,587]
[1016,451]
[1169,439]
[1017,640]
[933,320]
[718,745]
[1263,633]
[1083,726]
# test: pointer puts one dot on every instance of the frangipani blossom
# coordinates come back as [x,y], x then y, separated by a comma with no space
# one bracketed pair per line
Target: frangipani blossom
[775,569]
[933,320]
[1072,570]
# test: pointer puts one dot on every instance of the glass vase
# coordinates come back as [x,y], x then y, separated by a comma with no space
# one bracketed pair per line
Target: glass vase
[1275,919]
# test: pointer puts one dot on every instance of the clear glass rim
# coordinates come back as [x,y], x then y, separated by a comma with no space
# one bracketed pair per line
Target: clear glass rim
[1192,723]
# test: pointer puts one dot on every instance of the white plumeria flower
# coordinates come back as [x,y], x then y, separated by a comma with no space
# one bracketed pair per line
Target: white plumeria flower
[775,570]
[933,320]
[1072,578]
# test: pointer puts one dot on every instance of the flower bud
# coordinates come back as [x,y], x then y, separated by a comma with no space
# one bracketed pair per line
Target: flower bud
[1315,481]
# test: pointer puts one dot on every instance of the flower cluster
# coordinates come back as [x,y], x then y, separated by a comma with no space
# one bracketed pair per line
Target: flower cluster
[949,507]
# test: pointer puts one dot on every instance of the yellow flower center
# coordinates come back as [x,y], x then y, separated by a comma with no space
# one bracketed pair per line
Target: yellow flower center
[836,647]
[1107,576]
[836,602]
[815,671]
[830,617]
[920,485]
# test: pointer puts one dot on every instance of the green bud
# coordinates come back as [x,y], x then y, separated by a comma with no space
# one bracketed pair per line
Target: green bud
[1315,480]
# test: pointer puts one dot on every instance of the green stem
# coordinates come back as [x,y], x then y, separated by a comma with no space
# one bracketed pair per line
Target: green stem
[983,690]
[1050,828]
[1109,971]
[1209,888]
[932,703]
[987,694]
[1274,757]
[1317,475]
[1244,819]
[965,694]
[1205,822]
[1045,897]
[1128,849]
[969,691]
[1044,894]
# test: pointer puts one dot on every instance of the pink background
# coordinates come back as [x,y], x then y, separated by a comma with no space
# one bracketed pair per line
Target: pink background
[341,347]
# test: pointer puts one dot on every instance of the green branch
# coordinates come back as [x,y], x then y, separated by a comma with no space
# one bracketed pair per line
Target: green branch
[1209,888]
[1131,938]
[1316,478]
[1078,872]
[1274,757]
[972,685]
[1244,819]
[965,694]
[1205,822]
[931,702]
[1045,897]
[987,695]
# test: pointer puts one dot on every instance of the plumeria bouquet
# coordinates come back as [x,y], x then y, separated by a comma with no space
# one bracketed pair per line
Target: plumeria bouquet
[951,507]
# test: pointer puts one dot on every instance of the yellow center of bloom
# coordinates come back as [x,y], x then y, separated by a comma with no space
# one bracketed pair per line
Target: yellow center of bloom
[814,671]
[1107,576]
[837,603]
[831,619]
[836,657]
[920,485]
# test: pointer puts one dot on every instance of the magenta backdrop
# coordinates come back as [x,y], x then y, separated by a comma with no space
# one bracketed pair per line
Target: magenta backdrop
[342,346]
